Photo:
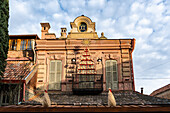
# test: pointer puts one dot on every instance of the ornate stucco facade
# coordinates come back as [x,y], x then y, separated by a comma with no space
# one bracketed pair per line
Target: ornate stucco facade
[60,52]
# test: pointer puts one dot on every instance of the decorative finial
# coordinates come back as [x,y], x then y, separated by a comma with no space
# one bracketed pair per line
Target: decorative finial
[102,36]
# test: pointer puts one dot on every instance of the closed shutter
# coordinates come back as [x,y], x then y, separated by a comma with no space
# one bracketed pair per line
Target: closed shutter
[114,73]
[58,74]
[111,74]
[55,75]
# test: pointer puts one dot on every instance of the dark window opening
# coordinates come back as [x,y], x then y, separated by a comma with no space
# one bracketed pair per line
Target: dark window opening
[14,45]
[83,27]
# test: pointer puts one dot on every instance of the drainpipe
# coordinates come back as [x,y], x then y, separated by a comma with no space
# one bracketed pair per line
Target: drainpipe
[33,47]
[133,46]
[132,73]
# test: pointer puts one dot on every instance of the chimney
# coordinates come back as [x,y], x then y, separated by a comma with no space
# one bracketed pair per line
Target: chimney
[63,33]
[45,27]
[141,90]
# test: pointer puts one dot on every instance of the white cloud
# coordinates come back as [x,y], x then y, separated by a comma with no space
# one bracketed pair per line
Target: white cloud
[152,56]
[57,16]
[144,22]
[156,9]
[51,6]
[137,6]
[97,4]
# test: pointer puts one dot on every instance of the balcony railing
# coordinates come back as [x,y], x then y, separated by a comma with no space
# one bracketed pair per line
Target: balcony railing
[87,83]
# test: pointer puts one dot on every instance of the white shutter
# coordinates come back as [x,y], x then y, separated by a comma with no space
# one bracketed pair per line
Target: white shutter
[108,75]
[52,75]
[111,74]
[115,77]
[58,74]
[55,75]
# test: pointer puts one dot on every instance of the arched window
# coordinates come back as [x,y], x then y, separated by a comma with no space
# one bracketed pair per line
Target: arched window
[111,74]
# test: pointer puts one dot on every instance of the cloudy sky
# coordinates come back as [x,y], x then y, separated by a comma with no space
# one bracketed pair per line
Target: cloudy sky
[148,21]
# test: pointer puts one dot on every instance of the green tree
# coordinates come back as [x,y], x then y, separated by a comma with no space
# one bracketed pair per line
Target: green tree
[4,37]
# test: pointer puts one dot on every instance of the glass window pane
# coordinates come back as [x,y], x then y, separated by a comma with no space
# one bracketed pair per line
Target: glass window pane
[29,47]
[23,45]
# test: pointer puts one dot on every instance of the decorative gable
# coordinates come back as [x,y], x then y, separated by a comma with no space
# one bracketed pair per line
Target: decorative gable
[82,28]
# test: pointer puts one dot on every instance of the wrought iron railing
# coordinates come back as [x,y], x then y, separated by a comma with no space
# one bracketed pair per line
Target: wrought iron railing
[87,82]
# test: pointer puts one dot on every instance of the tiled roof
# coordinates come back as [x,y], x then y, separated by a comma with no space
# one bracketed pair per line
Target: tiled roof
[122,98]
[160,90]
[17,71]
[84,108]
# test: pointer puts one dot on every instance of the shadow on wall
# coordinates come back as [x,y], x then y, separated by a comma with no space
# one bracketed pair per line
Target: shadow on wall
[28,53]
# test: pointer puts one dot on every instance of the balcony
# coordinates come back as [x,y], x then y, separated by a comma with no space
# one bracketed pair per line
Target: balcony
[87,83]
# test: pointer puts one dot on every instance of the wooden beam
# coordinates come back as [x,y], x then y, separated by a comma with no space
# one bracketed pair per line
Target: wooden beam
[59,108]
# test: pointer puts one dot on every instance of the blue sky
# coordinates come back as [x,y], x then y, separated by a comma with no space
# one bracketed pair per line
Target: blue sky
[148,21]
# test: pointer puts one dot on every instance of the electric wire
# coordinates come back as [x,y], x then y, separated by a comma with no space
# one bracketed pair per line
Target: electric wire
[154,66]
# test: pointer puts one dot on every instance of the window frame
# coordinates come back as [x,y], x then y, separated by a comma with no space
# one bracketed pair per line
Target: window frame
[57,73]
[114,83]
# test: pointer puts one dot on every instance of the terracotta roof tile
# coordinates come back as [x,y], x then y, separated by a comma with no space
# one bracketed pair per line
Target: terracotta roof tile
[17,71]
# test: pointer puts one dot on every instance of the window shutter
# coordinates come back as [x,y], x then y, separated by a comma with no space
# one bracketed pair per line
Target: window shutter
[108,75]
[115,77]
[52,66]
[58,74]
[111,74]
[52,75]
[55,75]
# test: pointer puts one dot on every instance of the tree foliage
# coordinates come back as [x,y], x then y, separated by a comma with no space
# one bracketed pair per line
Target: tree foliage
[4,37]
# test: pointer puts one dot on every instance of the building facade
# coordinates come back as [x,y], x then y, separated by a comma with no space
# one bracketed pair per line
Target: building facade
[19,80]
[81,61]
[77,62]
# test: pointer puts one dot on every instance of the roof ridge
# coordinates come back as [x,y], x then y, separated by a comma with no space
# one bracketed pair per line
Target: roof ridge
[162,89]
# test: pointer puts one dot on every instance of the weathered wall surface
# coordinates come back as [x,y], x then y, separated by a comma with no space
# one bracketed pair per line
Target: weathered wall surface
[64,50]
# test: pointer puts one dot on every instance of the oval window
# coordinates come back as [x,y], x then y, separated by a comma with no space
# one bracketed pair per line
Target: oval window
[83,27]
